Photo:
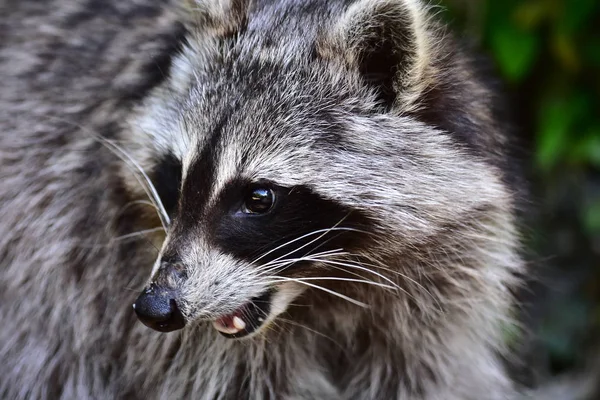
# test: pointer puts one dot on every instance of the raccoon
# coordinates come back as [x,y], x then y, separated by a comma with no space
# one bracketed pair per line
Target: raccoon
[302,199]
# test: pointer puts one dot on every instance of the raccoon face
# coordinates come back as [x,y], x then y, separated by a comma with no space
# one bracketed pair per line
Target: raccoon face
[285,158]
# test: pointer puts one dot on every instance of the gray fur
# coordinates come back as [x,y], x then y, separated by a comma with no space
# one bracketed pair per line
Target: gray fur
[442,209]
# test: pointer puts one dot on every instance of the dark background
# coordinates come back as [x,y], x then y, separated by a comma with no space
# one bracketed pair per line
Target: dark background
[547,54]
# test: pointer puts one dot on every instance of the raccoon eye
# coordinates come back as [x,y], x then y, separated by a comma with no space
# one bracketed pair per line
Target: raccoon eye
[259,200]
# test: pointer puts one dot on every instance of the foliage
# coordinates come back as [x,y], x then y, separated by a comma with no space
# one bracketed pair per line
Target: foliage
[551,50]
[548,54]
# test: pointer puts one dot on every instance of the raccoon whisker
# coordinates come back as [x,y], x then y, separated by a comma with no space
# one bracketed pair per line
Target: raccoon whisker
[338,265]
[395,286]
[148,186]
[282,265]
[298,305]
[399,288]
[318,257]
[246,315]
[322,231]
[138,233]
[132,203]
[341,279]
[319,245]
[360,267]
[332,292]
[111,242]
[348,272]
[324,253]
[315,255]
[117,150]
[334,228]
[363,279]
[323,243]
[404,276]
[150,243]
[277,264]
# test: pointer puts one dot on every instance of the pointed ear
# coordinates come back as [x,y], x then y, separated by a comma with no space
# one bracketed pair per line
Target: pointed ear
[388,42]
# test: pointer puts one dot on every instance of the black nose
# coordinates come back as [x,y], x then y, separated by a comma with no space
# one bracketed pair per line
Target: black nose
[157,309]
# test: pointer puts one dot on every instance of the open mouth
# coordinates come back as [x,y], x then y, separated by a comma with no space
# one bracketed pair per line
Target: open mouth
[246,319]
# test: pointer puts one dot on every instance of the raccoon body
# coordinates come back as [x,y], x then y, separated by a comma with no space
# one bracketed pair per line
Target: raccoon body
[314,199]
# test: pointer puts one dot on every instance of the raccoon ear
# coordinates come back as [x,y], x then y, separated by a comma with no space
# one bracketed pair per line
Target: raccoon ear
[388,42]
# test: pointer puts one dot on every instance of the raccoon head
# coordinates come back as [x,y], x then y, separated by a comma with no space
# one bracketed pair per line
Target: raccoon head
[286,146]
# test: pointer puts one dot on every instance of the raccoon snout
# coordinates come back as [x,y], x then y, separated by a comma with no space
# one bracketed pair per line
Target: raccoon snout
[157,308]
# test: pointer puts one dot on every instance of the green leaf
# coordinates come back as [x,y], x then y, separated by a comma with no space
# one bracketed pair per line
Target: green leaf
[516,50]
[556,118]
[591,50]
[591,218]
[566,51]
[593,149]
[529,15]
[587,150]
[575,15]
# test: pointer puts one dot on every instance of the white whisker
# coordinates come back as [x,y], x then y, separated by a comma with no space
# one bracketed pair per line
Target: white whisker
[332,292]
[148,186]
[323,233]
[322,257]
[134,202]
[360,267]
[146,183]
[276,263]
[335,278]
[404,276]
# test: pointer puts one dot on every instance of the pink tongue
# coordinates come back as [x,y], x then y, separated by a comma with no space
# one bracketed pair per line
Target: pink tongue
[226,321]
[231,323]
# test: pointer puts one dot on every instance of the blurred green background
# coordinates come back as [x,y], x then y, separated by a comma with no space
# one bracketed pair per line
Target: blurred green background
[547,53]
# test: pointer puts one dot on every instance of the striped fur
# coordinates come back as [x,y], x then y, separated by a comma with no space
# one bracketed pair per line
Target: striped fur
[368,114]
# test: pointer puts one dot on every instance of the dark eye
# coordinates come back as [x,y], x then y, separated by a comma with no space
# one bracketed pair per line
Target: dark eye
[258,201]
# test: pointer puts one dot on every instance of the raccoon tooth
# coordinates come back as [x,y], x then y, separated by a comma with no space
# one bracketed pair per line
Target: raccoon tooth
[224,329]
[239,323]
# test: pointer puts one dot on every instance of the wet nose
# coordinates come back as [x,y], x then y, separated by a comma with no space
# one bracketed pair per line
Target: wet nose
[157,309]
